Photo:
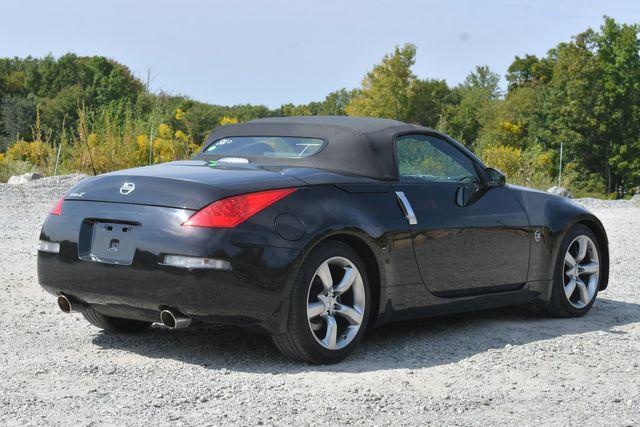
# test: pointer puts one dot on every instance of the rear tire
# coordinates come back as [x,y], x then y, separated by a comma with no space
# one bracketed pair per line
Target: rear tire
[329,306]
[115,324]
[577,275]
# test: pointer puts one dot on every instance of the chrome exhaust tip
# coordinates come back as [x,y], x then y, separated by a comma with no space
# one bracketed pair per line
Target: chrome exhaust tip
[174,320]
[67,305]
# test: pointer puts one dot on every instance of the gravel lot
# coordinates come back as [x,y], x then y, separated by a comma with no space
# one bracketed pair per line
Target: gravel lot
[501,366]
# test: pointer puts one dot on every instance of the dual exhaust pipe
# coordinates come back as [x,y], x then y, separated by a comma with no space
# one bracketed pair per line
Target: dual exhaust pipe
[169,318]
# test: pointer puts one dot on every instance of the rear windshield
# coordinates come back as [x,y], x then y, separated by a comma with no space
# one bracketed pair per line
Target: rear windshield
[266,146]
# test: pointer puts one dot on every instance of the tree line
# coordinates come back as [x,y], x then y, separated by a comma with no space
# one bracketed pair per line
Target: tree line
[91,114]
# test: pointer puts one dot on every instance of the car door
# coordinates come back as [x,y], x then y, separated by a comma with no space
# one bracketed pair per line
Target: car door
[468,238]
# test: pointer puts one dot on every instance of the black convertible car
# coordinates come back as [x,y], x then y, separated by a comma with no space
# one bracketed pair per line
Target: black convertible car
[313,230]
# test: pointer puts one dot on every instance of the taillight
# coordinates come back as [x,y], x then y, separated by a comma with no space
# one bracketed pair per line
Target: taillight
[229,212]
[57,209]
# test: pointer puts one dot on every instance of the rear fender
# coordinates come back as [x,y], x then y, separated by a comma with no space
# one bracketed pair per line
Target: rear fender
[372,217]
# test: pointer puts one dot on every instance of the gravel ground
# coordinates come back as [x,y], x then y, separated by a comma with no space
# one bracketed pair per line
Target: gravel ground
[501,366]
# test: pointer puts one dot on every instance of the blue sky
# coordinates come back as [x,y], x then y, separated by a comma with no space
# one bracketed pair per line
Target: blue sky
[279,51]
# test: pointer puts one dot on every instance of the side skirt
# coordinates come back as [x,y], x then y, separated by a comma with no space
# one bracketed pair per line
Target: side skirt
[414,302]
[479,291]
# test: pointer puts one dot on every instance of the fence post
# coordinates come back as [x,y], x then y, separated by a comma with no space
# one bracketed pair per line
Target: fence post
[560,171]
[55,169]
[151,146]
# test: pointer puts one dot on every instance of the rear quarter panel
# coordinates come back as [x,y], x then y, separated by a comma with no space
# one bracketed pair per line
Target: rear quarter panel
[368,212]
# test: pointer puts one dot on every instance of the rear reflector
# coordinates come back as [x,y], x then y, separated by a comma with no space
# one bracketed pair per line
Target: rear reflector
[196,262]
[53,247]
[229,212]
[57,209]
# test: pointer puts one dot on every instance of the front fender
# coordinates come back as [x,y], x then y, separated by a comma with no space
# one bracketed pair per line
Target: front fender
[554,216]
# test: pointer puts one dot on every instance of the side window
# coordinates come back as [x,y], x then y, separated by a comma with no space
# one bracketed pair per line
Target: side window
[424,158]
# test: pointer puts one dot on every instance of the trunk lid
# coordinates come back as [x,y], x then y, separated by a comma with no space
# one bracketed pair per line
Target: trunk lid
[190,184]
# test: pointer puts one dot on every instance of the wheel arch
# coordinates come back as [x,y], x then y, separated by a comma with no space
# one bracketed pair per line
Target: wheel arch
[597,228]
[557,215]
[365,247]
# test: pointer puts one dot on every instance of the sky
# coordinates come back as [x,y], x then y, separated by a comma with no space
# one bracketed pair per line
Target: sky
[273,52]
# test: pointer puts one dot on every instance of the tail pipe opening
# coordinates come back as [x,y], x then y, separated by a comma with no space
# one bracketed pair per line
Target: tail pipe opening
[68,305]
[174,320]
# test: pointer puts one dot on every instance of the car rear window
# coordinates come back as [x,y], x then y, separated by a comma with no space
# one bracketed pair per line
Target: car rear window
[265,146]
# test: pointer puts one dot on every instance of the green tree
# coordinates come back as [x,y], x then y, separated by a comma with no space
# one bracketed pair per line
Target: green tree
[387,89]
[476,98]
[60,86]
[482,79]
[334,104]
[17,116]
[594,100]
[391,90]
[428,100]
[530,70]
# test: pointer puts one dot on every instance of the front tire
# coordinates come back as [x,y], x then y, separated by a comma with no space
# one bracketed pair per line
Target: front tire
[329,306]
[116,324]
[577,274]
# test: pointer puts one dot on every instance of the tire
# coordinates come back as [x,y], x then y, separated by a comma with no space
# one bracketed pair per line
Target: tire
[576,304]
[308,337]
[115,324]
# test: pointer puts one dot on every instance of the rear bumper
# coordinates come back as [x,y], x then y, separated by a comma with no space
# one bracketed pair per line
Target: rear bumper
[251,294]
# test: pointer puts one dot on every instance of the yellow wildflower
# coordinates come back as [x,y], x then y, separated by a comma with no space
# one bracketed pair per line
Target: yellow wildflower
[228,121]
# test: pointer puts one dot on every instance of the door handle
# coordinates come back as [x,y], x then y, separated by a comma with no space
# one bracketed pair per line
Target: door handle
[406,208]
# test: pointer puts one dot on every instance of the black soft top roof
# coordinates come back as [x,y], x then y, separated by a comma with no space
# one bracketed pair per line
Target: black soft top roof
[356,145]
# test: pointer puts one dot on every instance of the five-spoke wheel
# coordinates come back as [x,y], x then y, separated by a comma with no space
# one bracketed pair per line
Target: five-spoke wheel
[577,274]
[582,271]
[329,305]
[335,303]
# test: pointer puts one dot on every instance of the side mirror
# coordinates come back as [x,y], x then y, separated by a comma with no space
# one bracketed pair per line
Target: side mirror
[495,178]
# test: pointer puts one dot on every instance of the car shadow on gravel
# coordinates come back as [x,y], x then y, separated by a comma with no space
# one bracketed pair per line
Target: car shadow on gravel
[405,345]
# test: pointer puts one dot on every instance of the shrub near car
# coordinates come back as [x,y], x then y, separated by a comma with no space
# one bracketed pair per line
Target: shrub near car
[314,230]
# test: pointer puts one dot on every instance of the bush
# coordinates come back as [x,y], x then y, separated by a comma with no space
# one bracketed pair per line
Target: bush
[228,121]
[118,136]
[508,160]
[37,153]
[528,167]
[9,168]
[579,182]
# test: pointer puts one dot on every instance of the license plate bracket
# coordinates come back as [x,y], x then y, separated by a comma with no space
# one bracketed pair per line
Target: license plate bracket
[112,243]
